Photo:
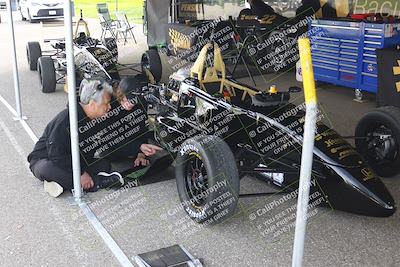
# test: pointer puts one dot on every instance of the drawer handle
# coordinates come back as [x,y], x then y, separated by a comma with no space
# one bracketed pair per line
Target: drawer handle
[374,43]
[324,61]
[348,59]
[348,71]
[335,27]
[349,41]
[324,49]
[323,55]
[324,67]
[348,53]
[324,44]
[369,55]
[328,39]
[349,47]
[347,65]
[373,30]
[373,36]
[369,74]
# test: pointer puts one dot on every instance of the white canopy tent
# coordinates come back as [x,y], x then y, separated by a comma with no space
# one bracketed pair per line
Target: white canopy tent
[72,102]
[77,192]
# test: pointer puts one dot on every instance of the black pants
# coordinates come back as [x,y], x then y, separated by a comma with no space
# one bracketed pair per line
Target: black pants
[45,170]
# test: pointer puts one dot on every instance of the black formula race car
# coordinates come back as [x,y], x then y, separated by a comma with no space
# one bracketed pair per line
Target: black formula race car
[93,59]
[221,130]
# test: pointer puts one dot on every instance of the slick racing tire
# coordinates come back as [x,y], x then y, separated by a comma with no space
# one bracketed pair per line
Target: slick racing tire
[111,45]
[378,140]
[47,74]
[33,53]
[207,179]
[151,61]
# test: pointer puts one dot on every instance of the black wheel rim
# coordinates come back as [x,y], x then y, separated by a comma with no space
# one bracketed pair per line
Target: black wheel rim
[381,145]
[196,181]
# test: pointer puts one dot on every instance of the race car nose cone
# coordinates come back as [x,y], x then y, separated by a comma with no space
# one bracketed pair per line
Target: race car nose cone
[383,209]
[349,194]
[386,210]
[354,201]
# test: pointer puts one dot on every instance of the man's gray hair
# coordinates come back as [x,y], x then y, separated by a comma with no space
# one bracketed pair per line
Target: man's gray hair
[93,90]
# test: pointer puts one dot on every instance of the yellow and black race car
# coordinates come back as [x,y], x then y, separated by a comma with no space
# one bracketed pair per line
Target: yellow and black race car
[220,130]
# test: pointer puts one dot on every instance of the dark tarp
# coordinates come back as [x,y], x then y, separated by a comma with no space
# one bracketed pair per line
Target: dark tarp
[157,17]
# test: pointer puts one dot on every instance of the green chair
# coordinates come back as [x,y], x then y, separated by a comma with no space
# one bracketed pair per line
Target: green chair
[108,25]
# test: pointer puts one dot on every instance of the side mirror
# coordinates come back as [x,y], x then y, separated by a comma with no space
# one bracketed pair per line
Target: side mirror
[294,89]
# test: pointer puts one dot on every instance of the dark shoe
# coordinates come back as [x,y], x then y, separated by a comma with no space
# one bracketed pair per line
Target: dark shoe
[107,180]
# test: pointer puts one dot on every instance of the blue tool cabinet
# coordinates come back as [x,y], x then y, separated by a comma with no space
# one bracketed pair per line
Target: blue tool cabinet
[343,52]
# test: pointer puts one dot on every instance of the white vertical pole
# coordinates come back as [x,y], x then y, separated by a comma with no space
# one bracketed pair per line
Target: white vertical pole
[72,101]
[14,63]
[307,153]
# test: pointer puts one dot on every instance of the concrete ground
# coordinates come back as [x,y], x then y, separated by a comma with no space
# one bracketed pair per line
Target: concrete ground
[37,230]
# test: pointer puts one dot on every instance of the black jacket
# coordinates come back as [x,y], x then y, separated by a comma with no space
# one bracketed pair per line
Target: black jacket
[94,135]
[55,143]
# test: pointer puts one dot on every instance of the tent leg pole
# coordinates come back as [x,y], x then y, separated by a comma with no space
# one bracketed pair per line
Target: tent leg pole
[307,153]
[72,101]
[14,64]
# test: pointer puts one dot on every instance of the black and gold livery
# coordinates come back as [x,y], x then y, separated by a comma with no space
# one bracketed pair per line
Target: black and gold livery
[221,130]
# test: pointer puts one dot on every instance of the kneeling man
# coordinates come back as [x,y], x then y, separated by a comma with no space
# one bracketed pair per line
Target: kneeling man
[51,159]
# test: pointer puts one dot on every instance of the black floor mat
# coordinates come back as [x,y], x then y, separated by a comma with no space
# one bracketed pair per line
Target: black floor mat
[159,170]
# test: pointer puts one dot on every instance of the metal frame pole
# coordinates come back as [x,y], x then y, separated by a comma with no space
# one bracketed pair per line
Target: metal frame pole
[72,101]
[14,63]
[307,154]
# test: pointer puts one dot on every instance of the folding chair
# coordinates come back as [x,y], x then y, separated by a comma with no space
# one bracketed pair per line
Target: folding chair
[124,27]
[108,25]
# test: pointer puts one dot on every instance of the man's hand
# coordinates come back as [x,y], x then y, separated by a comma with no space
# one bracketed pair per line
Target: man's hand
[86,181]
[149,150]
[141,160]
[126,104]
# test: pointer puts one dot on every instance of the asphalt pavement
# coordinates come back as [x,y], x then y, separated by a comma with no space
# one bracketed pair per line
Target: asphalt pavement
[37,230]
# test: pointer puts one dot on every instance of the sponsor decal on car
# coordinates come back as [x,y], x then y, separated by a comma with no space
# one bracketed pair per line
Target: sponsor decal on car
[396,71]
